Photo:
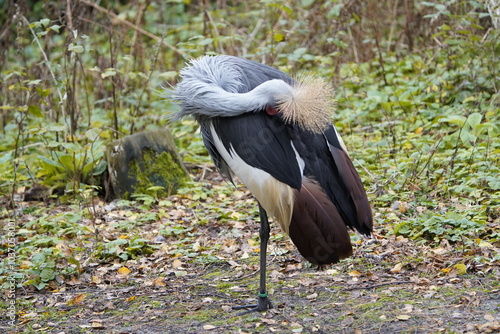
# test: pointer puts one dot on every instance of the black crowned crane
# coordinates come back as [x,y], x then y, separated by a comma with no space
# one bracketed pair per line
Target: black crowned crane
[274,133]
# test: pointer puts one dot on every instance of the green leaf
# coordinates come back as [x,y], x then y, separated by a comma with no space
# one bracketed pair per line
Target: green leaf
[467,137]
[307,3]
[55,28]
[493,182]
[454,119]
[35,111]
[55,127]
[47,274]
[75,48]
[474,119]
[34,82]
[206,41]
[45,22]
[38,258]
[109,72]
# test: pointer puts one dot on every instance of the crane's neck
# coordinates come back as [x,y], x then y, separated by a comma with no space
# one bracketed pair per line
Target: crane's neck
[209,100]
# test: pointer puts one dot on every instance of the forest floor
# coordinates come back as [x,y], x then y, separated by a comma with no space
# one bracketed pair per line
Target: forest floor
[202,267]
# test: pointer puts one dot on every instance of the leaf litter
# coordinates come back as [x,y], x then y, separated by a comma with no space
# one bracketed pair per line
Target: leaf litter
[201,257]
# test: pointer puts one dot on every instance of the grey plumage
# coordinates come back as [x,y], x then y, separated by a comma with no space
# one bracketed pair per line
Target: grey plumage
[226,86]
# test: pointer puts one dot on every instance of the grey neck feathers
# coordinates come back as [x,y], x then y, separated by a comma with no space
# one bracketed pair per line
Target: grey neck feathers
[199,98]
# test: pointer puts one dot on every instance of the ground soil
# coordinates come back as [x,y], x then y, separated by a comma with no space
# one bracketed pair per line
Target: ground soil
[390,285]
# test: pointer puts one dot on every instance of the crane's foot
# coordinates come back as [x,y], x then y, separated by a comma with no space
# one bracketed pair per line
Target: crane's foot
[263,304]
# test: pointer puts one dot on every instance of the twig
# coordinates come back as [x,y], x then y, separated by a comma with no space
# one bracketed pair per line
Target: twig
[376,285]
[252,35]
[133,26]
[69,15]
[216,31]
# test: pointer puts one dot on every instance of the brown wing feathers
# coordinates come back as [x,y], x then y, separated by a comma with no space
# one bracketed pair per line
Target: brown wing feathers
[363,220]
[316,227]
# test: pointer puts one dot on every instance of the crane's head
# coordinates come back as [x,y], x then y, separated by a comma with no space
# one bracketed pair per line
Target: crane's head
[225,86]
[307,102]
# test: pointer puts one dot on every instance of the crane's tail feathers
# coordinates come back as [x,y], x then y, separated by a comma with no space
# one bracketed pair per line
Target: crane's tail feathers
[316,227]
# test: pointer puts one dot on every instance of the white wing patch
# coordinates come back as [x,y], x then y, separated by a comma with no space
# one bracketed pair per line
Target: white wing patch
[275,197]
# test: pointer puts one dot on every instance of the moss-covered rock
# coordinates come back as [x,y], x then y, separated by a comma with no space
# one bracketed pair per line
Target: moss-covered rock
[145,163]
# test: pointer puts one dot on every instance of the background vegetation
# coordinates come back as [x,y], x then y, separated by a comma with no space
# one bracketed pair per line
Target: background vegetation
[418,107]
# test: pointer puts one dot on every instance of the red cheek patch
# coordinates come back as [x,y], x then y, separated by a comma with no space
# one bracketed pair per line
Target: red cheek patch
[271,110]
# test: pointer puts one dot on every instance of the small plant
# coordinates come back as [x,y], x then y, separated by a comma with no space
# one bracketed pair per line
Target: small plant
[431,226]
[125,248]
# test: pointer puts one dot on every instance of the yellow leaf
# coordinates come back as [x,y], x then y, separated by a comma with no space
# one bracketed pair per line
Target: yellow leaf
[408,145]
[278,37]
[160,281]
[461,268]
[124,271]
[97,324]
[123,236]
[252,242]
[129,299]
[25,264]
[235,215]
[419,130]
[469,99]
[403,317]
[76,300]
[482,243]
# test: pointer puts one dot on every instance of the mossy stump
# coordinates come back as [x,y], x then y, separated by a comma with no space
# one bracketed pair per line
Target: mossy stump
[145,163]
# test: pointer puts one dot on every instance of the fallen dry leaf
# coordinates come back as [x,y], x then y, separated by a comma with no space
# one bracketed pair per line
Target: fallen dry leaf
[209,327]
[268,321]
[312,296]
[76,300]
[354,273]
[124,271]
[176,263]
[227,308]
[97,324]
[397,268]
[160,281]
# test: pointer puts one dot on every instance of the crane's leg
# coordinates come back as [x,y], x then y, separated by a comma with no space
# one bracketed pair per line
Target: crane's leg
[263,303]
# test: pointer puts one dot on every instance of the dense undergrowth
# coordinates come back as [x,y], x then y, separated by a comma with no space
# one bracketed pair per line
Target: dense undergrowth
[418,106]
